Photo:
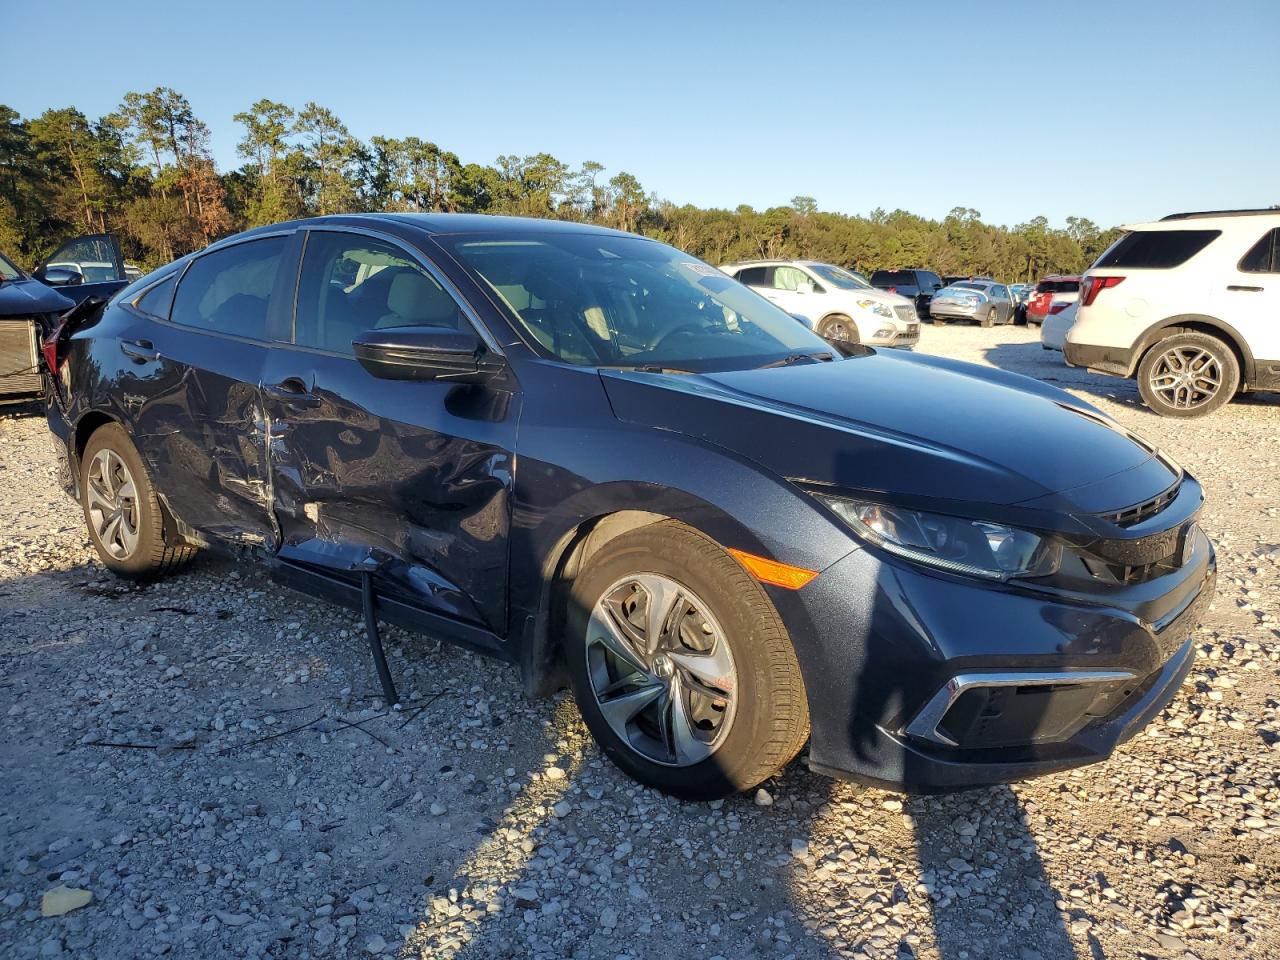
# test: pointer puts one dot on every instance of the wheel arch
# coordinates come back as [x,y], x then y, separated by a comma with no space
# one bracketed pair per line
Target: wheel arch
[88,424]
[1196,323]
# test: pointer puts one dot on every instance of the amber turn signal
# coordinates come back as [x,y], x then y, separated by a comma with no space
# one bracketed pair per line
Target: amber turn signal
[770,571]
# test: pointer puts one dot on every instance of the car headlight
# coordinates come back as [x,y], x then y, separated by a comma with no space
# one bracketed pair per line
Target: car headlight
[876,307]
[973,547]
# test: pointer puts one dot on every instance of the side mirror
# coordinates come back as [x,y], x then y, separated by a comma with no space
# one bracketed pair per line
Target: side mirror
[59,276]
[426,353]
[804,287]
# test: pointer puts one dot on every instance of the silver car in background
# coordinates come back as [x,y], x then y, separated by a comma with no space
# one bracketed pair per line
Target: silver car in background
[985,301]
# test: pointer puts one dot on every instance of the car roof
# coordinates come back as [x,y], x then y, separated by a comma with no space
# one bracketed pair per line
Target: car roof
[443,223]
[1206,220]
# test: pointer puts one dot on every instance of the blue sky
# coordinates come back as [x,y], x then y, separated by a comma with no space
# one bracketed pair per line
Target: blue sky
[1116,111]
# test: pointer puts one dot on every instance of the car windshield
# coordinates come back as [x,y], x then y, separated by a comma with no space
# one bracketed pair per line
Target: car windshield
[838,277]
[7,270]
[600,300]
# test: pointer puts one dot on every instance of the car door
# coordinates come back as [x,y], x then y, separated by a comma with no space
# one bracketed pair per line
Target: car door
[195,360]
[84,267]
[413,473]
[1250,302]
[1004,301]
[794,291]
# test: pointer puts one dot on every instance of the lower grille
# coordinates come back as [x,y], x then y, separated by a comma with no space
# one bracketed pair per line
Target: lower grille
[19,372]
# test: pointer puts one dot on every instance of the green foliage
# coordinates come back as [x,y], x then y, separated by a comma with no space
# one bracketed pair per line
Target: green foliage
[146,172]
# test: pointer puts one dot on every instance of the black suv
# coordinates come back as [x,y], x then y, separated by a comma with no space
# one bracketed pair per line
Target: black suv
[917,285]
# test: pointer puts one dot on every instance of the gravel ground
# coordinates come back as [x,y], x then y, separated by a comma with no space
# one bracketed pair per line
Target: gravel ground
[207,757]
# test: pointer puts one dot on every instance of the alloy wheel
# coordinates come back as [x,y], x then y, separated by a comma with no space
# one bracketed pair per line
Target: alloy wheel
[1186,377]
[661,670]
[113,504]
[838,330]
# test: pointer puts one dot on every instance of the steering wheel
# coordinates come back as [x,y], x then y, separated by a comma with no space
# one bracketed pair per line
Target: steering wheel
[694,328]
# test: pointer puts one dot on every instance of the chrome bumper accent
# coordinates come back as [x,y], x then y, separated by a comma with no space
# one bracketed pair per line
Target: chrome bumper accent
[925,724]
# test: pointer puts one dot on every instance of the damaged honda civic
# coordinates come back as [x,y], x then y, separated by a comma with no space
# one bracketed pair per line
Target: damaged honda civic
[613,466]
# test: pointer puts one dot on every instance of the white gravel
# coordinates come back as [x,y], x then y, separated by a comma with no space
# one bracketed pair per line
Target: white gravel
[207,758]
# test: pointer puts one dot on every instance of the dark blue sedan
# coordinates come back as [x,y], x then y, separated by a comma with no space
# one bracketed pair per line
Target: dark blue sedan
[593,456]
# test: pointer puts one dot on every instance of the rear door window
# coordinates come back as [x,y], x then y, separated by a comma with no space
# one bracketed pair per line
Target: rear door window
[1264,256]
[157,301]
[1156,249]
[754,276]
[352,283]
[229,290]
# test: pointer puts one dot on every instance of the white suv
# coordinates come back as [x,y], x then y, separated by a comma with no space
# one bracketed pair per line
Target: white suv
[1189,305]
[837,304]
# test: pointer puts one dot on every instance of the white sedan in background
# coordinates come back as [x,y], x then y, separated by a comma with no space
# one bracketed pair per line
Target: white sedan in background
[1053,331]
[835,303]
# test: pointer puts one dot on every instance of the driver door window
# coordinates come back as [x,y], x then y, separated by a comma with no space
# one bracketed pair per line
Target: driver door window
[352,283]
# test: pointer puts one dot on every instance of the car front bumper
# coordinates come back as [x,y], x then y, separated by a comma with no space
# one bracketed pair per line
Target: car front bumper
[883,643]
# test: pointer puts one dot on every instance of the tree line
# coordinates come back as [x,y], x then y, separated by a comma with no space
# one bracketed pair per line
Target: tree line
[145,171]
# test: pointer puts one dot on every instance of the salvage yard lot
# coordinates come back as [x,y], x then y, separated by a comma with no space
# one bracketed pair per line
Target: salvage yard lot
[207,755]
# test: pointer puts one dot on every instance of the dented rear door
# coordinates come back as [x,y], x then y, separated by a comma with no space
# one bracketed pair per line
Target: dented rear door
[195,382]
[417,474]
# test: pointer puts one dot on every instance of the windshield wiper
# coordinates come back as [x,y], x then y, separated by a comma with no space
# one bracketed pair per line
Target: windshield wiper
[648,368]
[795,358]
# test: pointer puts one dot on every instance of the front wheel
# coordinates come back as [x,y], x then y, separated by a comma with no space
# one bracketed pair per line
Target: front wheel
[839,328]
[121,509]
[1188,375]
[681,666]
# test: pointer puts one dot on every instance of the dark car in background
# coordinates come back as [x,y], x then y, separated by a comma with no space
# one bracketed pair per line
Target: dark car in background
[595,457]
[30,305]
[917,285]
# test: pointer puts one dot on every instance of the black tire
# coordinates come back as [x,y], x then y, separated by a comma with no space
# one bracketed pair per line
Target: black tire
[989,318]
[769,722]
[838,327]
[1207,360]
[148,556]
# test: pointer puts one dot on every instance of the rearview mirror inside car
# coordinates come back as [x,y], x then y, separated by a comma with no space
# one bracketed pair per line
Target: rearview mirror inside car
[426,353]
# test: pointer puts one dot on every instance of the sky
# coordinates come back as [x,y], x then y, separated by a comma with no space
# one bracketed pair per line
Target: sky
[1116,111]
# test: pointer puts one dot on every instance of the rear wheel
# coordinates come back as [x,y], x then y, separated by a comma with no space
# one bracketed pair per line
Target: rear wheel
[1188,375]
[681,667]
[989,319]
[121,510]
[838,327]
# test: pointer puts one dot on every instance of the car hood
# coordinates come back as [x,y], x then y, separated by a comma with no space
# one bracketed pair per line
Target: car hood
[916,428]
[880,296]
[22,298]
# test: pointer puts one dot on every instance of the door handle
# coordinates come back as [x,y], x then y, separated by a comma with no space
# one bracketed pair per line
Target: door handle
[293,392]
[139,350]
[1241,289]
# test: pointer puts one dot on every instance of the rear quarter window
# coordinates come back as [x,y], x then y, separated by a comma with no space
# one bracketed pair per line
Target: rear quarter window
[1156,249]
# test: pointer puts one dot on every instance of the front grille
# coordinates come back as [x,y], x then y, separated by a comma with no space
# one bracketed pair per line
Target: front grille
[906,313]
[19,373]
[1136,514]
